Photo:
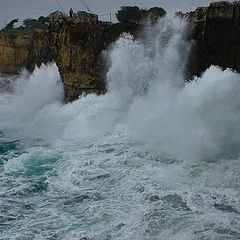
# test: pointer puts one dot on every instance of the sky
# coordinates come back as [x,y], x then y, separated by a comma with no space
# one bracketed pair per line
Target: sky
[22,9]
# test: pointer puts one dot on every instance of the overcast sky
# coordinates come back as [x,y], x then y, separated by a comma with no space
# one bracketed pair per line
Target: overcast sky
[22,9]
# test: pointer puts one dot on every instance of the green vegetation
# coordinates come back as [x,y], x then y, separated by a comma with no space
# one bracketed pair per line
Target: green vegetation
[156,12]
[29,24]
[135,14]
[11,24]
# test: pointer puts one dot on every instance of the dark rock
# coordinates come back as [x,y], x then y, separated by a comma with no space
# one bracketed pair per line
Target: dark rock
[217,37]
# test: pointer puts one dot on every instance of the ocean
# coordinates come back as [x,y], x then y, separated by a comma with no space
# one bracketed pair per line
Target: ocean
[154,158]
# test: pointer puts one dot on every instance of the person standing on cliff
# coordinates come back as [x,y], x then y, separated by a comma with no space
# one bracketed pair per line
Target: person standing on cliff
[71,13]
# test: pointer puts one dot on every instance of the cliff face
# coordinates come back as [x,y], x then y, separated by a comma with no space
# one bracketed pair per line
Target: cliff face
[14,50]
[76,45]
[217,37]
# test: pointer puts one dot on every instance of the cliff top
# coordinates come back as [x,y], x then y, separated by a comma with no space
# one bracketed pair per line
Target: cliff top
[42,23]
[58,17]
[221,9]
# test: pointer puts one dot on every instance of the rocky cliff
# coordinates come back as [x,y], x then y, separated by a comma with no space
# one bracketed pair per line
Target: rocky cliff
[217,36]
[76,45]
[14,49]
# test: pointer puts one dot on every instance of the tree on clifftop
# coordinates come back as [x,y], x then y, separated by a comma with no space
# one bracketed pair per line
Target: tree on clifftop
[11,24]
[156,12]
[135,14]
[130,14]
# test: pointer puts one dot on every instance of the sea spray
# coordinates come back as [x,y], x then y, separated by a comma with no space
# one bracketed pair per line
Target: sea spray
[197,121]
[31,96]
[147,93]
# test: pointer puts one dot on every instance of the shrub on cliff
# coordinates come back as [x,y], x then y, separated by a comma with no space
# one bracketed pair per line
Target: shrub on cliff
[31,23]
[135,14]
[131,14]
[157,12]
[10,25]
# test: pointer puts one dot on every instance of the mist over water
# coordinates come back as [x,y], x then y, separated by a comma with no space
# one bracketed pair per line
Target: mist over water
[154,158]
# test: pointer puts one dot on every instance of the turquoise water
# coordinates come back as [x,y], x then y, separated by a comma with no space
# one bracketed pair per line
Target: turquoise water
[114,191]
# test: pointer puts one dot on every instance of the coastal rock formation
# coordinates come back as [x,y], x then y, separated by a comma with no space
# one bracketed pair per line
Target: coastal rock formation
[14,49]
[76,45]
[217,37]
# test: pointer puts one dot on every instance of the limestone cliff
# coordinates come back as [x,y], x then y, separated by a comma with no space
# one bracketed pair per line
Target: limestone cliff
[76,45]
[14,49]
[217,36]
